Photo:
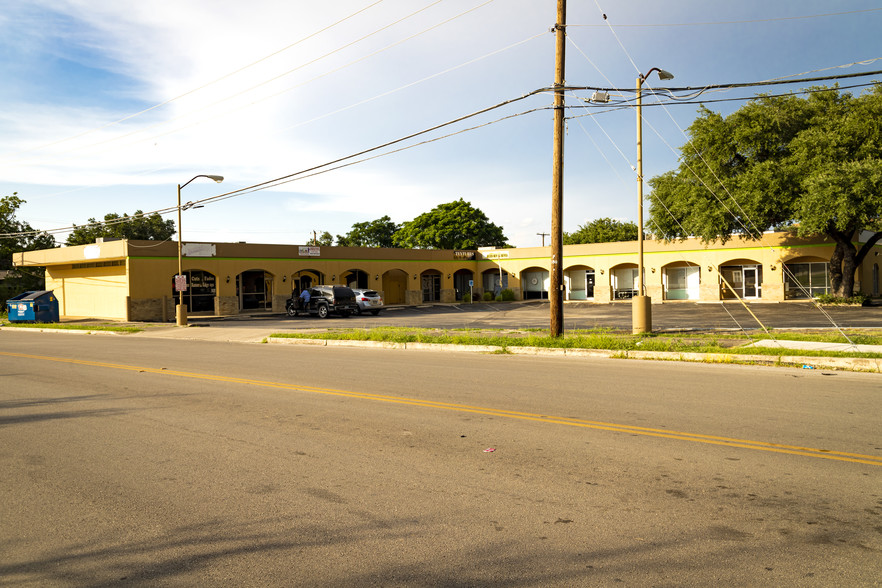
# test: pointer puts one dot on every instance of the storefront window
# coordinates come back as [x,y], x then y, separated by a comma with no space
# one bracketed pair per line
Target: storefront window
[806,280]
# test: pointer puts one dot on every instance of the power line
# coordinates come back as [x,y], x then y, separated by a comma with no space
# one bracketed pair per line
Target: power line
[729,22]
[315,170]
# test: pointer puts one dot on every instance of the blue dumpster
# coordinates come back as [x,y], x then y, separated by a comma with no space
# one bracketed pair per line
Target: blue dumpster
[38,306]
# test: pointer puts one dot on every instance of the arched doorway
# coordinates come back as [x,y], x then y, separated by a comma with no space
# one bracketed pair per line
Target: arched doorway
[430,282]
[625,281]
[394,286]
[461,279]
[534,283]
[681,280]
[305,278]
[741,278]
[579,281]
[356,278]
[806,277]
[254,288]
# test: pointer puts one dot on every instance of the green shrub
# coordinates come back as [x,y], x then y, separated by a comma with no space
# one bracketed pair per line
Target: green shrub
[858,299]
[466,298]
[487,297]
[508,295]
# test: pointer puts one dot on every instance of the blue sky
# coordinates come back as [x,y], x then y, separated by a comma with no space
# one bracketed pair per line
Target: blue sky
[259,90]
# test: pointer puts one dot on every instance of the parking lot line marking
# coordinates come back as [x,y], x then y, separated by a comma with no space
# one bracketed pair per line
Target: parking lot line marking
[541,418]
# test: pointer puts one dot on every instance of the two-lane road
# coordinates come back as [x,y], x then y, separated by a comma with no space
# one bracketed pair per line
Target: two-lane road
[132,461]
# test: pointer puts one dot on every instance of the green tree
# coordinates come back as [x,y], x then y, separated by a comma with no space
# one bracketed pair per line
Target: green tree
[376,233]
[813,165]
[17,236]
[602,230]
[138,226]
[455,225]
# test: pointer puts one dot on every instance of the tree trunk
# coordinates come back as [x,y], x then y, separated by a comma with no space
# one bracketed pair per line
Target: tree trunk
[845,260]
[836,269]
[842,264]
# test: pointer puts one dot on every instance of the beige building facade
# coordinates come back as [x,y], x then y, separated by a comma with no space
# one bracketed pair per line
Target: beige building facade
[134,280]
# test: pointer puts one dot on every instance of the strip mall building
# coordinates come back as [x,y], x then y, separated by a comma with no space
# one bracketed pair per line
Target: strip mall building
[134,280]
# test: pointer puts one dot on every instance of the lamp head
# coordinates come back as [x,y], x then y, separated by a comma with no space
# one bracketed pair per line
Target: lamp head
[662,74]
[220,179]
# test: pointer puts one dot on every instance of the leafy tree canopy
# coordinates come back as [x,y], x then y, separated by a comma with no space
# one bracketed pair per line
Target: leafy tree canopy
[376,233]
[19,279]
[326,239]
[455,225]
[811,164]
[602,230]
[138,226]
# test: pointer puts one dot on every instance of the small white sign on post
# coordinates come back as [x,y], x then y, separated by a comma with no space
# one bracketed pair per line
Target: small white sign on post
[180,283]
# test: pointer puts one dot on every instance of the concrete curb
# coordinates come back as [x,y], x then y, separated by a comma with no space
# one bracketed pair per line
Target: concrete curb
[857,364]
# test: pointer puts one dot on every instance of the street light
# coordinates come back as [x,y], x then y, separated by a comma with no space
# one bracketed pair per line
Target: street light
[641,309]
[180,284]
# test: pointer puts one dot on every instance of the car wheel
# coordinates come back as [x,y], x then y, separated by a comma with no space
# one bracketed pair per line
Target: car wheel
[357,311]
[291,311]
[323,311]
[375,312]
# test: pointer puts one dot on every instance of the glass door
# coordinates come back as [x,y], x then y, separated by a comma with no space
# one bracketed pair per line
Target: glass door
[750,282]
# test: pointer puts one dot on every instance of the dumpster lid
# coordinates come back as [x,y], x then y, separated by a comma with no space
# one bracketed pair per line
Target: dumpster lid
[33,295]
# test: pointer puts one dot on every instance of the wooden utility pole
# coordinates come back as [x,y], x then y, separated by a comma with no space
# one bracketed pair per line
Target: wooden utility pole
[555,293]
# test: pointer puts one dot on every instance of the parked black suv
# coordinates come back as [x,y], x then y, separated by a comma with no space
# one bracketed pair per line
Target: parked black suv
[323,300]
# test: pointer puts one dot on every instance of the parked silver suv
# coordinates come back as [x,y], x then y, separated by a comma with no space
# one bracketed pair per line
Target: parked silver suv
[368,301]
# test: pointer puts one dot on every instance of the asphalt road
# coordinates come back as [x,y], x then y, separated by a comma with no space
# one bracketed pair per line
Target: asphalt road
[533,315]
[138,461]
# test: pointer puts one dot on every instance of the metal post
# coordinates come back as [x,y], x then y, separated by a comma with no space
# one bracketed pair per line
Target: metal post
[556,286]
[180,309]
[641,309]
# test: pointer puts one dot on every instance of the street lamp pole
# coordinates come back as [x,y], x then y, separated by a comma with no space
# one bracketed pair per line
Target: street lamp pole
[181,308]
[641,305]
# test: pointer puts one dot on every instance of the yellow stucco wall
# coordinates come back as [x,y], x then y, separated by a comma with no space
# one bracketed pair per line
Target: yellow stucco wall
[99,292]
[133,279]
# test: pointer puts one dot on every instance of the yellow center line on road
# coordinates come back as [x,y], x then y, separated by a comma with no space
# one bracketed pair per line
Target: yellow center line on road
[542,418]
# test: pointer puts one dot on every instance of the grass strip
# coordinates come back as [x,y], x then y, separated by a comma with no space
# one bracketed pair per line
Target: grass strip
[600,339]
[63,327]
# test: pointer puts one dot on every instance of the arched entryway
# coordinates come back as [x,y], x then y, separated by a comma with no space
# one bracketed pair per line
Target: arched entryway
[356,278]
[741,278]
[579,282]
[624,281]
[535,283]
[254,289]
[394,286]
[806,277]
[681,280]
[463,282]
[430,284]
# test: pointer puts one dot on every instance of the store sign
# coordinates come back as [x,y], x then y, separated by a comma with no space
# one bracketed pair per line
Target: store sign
[496,255]
[310,251]
[463,254]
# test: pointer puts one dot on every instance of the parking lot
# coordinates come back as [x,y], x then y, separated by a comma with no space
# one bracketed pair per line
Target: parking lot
[578,316]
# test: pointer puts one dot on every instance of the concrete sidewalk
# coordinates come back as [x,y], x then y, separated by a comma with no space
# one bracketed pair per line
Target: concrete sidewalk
[817,346]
